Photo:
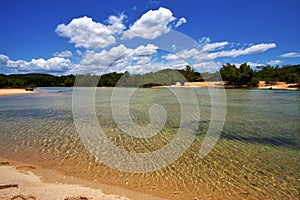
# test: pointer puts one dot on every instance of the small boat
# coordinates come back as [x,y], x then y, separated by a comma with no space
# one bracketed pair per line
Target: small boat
[29,89]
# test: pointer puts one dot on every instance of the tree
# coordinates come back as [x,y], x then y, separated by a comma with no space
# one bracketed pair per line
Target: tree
[230,73]
[246,74]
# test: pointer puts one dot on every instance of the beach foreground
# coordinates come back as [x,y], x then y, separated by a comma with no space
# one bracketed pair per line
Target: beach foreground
[8,92]
[22,181]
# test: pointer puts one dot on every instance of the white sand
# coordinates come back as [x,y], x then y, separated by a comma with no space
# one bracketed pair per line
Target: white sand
[31,187]
[34,182]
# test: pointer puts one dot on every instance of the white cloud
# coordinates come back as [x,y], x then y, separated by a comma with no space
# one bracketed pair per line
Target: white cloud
[106,61]
[205,66]
[290,55]
[200,54]
[116,23]
[105,57]
[3,60]
[214,46]
[204,40]
[51,65]
[117,58]
[254,64]
[201,57]
[54,65]
[86,33]
[151,25]
[274,62]
[238,52]
[181,21]
[142,50]
[142,60]
[155,66]
[63,54]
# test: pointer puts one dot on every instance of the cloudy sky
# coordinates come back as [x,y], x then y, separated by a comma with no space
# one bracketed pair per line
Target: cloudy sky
[86,36]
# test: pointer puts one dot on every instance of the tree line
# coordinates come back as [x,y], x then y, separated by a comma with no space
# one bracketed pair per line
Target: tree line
[35,80]
[237,76]
[244,75]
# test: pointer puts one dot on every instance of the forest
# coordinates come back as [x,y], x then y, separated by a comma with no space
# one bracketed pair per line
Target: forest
[238,76]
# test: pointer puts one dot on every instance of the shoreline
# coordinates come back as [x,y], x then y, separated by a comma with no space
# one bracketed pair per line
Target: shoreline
[28,181]
[14,91]
[222,85]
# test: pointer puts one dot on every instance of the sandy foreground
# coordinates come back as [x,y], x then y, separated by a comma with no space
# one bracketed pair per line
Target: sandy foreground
[20,181]
[8,92]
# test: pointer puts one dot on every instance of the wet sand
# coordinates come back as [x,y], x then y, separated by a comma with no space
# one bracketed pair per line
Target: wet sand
[8,92]
[25,181]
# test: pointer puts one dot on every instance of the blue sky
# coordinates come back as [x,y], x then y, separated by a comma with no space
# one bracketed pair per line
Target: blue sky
[63,37]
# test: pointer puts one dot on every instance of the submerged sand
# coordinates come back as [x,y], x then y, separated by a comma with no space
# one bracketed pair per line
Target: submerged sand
[8,92]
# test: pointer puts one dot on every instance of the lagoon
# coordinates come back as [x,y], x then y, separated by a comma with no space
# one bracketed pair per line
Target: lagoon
[257,155]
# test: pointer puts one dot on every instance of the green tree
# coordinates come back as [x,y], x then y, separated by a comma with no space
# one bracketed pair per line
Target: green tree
[246,74]
[230,73]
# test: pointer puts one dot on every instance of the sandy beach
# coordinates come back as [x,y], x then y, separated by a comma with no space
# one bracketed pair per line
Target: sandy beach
[206,84]
[8,92]
[25,181]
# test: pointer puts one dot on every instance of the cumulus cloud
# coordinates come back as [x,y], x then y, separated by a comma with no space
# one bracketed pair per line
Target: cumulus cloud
[155,66]
[86,33]
[105,58]
[116,23]
[117,58]
[152,24]
[142,50]
[63,54]
[290,55]
[54,65]
[3,60]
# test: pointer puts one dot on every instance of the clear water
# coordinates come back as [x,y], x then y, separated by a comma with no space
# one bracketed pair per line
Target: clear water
[256,157]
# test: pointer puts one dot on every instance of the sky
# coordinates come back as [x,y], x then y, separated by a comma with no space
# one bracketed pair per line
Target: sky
[95,37]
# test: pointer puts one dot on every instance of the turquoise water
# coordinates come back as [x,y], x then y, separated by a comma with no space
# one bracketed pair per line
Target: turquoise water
[257,155]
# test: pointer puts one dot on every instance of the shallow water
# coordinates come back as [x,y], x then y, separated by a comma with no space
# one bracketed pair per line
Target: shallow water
[257,155]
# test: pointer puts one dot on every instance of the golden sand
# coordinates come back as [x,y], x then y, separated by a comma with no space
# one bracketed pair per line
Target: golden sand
[8,92]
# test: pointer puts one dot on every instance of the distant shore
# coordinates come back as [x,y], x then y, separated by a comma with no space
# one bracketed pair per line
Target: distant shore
[13,91]
[222,84]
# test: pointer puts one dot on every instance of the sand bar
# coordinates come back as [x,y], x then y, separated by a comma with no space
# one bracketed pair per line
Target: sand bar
[8,92]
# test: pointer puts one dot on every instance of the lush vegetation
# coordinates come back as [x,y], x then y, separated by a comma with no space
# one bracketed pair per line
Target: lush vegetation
[288,73]
[35,80]
[244,75]
[236,76]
